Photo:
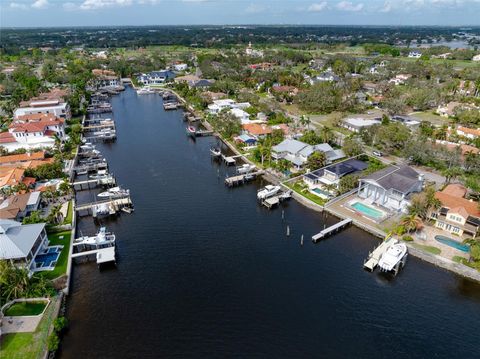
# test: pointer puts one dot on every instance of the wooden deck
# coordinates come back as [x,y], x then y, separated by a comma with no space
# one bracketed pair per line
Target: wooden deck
[330,230]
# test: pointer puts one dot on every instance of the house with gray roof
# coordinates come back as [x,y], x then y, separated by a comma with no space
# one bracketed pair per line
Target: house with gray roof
[391,187]
[297,152]
[22,243]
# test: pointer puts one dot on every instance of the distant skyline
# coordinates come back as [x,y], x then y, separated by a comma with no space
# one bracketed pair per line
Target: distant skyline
[58,13]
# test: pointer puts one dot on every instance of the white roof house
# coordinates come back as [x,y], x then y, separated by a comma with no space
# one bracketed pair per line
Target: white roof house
[243,116]
[358,123]
[297,152]
[59,109]
[21,243]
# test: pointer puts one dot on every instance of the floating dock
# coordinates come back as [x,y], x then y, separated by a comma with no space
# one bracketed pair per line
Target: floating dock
[374,257]
[330,230]
[102,255]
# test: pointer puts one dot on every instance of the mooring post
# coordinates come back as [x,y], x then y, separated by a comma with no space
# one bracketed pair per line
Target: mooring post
[301,240]
[288,231]
[283,214]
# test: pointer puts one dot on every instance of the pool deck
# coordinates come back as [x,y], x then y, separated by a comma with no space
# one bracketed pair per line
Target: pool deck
[447,251]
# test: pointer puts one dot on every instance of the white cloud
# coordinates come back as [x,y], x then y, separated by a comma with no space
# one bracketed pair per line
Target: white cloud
[102,4]
[255,9]
[16,5]
[387,7]
[70,6]
[349,6]
[40,4]
[317,7]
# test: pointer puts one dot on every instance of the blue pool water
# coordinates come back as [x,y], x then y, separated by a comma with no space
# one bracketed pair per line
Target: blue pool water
[321,192]
[46,259]
[452,243]
[367,210]
[52,250]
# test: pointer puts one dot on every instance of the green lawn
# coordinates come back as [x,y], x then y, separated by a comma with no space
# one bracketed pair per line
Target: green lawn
[69,218]
[26,308]
[431,117]
[297,187]
[28,345]
[61,267]
[429,249]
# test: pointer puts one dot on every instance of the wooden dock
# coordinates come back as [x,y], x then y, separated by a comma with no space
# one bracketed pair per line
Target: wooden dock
[203,133]
[230,160]
[241,179]
[273,201]
[102,255]
[116,204]
[330,230]
[99,127]
[91,167]
[374,257]
[93,183]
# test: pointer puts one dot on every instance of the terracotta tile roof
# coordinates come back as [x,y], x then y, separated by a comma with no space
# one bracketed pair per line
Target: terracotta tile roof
[53,95]
[7,137]
[470,131]
[257,129]
[10,176]
[24,157]
[35,126]
[455,190]
[36,117]
[453,203]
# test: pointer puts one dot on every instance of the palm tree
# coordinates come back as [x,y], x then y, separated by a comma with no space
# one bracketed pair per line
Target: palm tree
[305,121]
[411,223]
[326,133]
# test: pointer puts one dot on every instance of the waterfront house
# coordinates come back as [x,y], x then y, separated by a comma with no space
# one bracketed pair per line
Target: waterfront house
[55,107]
[219,105]
[23,159]
[297,152]
[356,124]
[20,244]
[156,77]
[246,139]
[18,206]
[471,133]
[400,79]
[32,131]
[329,177]
[13,176]
[391,187]
[257,130]
[457,215]
[414,54]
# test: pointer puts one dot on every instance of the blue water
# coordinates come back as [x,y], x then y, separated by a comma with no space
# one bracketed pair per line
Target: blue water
[452,243]
[367,210]
[319,191]
[46,259]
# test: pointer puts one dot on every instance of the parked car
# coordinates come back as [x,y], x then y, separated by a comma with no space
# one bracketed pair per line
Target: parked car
[377,153]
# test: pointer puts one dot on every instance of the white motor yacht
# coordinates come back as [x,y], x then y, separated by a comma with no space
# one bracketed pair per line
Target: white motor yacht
[101,238]
[246,168]
[268,191]
[114,192]
[145,91]
[395,255]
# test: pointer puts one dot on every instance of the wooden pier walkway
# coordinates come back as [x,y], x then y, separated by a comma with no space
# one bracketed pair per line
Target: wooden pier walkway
[116,203]
[103,255]
[374,257]
[92,183]
[240,179]
[330,230]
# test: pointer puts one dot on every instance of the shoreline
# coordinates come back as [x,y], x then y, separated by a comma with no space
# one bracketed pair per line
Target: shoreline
[438,261]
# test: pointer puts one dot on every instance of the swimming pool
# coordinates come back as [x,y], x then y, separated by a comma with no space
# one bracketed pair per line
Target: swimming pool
[452,243]
[367,210]
[321,193]
[46,260]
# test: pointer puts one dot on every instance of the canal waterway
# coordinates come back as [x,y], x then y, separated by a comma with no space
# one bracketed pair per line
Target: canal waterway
[205,271]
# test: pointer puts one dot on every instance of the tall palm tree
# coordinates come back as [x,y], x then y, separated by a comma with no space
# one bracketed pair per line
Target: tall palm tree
[326,133]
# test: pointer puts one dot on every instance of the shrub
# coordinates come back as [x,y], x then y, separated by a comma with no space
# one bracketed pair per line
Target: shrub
[407,238]
[60,323]
[53,342]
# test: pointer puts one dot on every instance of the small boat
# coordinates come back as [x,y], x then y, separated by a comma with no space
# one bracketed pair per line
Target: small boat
[286,195]
[101,238]
[394,257]
[215,152]
[145,91]
[268,191]
[114,192]
[246,168]
[192,131]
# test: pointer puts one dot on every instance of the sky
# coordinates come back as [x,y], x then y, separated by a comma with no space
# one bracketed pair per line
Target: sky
[48,13]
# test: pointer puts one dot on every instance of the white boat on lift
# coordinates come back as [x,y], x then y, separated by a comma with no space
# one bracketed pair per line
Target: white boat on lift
[101,238]
[268,191]
[246,168]
[101,174]
[114,192]
[215,152]
[394,257]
